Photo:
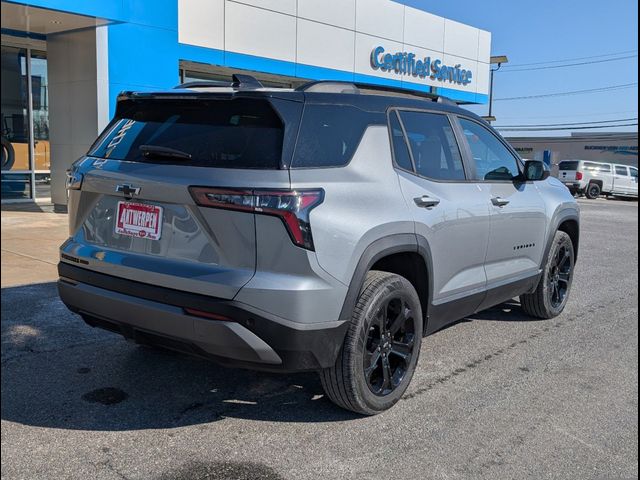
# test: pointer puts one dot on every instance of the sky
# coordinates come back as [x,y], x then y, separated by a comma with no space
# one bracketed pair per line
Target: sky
[550,30]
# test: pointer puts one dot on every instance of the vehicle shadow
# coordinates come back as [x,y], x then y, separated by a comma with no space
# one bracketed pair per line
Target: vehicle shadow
[28,207]
[510,311]
[58,372]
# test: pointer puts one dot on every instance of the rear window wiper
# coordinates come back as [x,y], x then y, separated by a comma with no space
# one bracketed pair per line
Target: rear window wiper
[165,152]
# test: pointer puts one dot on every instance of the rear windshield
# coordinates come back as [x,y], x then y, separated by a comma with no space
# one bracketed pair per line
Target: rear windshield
[568,166]
[239,133]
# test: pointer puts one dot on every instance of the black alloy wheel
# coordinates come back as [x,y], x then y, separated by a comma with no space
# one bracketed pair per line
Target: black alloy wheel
[389,346]
[559,276]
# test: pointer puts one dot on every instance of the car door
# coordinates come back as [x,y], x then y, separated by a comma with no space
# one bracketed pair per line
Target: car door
[518,214]
[450,213]
[622,181]
[599,172]
[605,171]
[634,181]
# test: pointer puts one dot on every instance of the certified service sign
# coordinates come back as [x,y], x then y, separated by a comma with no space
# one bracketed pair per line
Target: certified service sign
[407,64]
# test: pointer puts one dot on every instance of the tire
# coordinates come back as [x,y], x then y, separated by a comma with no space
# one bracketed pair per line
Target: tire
[393,357]
[8,155]
[593,191]
[552,293]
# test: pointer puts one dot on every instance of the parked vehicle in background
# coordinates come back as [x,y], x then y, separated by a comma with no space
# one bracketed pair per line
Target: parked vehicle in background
[326,228]
[592,179]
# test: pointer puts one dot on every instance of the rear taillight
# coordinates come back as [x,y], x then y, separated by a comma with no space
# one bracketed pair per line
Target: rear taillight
[291,206]
[578,175]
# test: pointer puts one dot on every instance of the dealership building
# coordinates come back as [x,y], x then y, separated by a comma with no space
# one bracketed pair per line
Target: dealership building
[65,61]
[609,147]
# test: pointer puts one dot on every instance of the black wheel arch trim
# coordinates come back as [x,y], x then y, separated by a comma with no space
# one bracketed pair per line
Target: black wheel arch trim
[559,218]
[383,247]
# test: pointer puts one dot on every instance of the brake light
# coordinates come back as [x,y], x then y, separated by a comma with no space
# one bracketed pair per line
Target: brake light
[291,206]
[578,175]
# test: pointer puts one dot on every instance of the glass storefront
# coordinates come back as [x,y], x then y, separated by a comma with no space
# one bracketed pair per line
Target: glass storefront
[24,123]
[40,109]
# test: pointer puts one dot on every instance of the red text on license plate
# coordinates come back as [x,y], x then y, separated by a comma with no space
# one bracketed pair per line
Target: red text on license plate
[139,220]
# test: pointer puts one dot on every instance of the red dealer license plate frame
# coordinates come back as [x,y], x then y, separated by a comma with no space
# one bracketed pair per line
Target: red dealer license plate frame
[139,220]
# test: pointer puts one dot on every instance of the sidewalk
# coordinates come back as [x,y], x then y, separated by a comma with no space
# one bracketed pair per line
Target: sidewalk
[31,235]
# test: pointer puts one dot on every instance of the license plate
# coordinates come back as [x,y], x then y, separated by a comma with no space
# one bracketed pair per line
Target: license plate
[139,220]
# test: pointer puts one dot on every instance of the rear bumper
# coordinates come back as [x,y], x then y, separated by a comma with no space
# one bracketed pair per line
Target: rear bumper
[155,315]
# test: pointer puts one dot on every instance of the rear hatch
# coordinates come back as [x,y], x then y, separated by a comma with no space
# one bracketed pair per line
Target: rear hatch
[567,170]
[132,206]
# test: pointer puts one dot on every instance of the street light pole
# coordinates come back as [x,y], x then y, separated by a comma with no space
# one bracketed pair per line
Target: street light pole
[491,92]
[497,60]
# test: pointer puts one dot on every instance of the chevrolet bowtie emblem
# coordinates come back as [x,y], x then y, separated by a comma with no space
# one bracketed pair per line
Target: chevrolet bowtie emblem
[128,190]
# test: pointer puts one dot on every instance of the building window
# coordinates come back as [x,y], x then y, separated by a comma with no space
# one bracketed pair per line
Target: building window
[24,124]
[40,113]
[187,75]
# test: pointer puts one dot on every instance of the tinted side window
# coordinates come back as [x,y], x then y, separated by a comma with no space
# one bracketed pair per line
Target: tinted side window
[634,172]
[621,171]
[433,146]
[330,134]
[400,149]
[493,160]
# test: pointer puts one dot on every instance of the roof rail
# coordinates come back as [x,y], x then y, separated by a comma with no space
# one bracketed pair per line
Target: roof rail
[239,81]
[328,86]
[334,86]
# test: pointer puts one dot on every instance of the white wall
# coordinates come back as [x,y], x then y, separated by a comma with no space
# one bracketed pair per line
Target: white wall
[201,23]
[259,32]
[336,34]
[78,99]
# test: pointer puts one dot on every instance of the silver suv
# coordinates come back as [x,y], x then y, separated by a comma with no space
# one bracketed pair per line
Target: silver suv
[327,228]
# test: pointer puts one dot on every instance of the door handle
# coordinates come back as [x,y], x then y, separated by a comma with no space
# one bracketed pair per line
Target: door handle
[426,201]
[499,201]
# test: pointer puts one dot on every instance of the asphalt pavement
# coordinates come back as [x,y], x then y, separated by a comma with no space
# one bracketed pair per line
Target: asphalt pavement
[498,395]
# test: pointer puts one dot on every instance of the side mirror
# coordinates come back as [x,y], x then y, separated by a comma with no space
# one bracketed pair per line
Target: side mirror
[535,171]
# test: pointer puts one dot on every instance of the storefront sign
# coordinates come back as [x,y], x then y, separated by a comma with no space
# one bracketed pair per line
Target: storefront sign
[407,64]
[621,150]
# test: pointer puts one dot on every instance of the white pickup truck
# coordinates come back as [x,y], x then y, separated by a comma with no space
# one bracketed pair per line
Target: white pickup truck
[593,179]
